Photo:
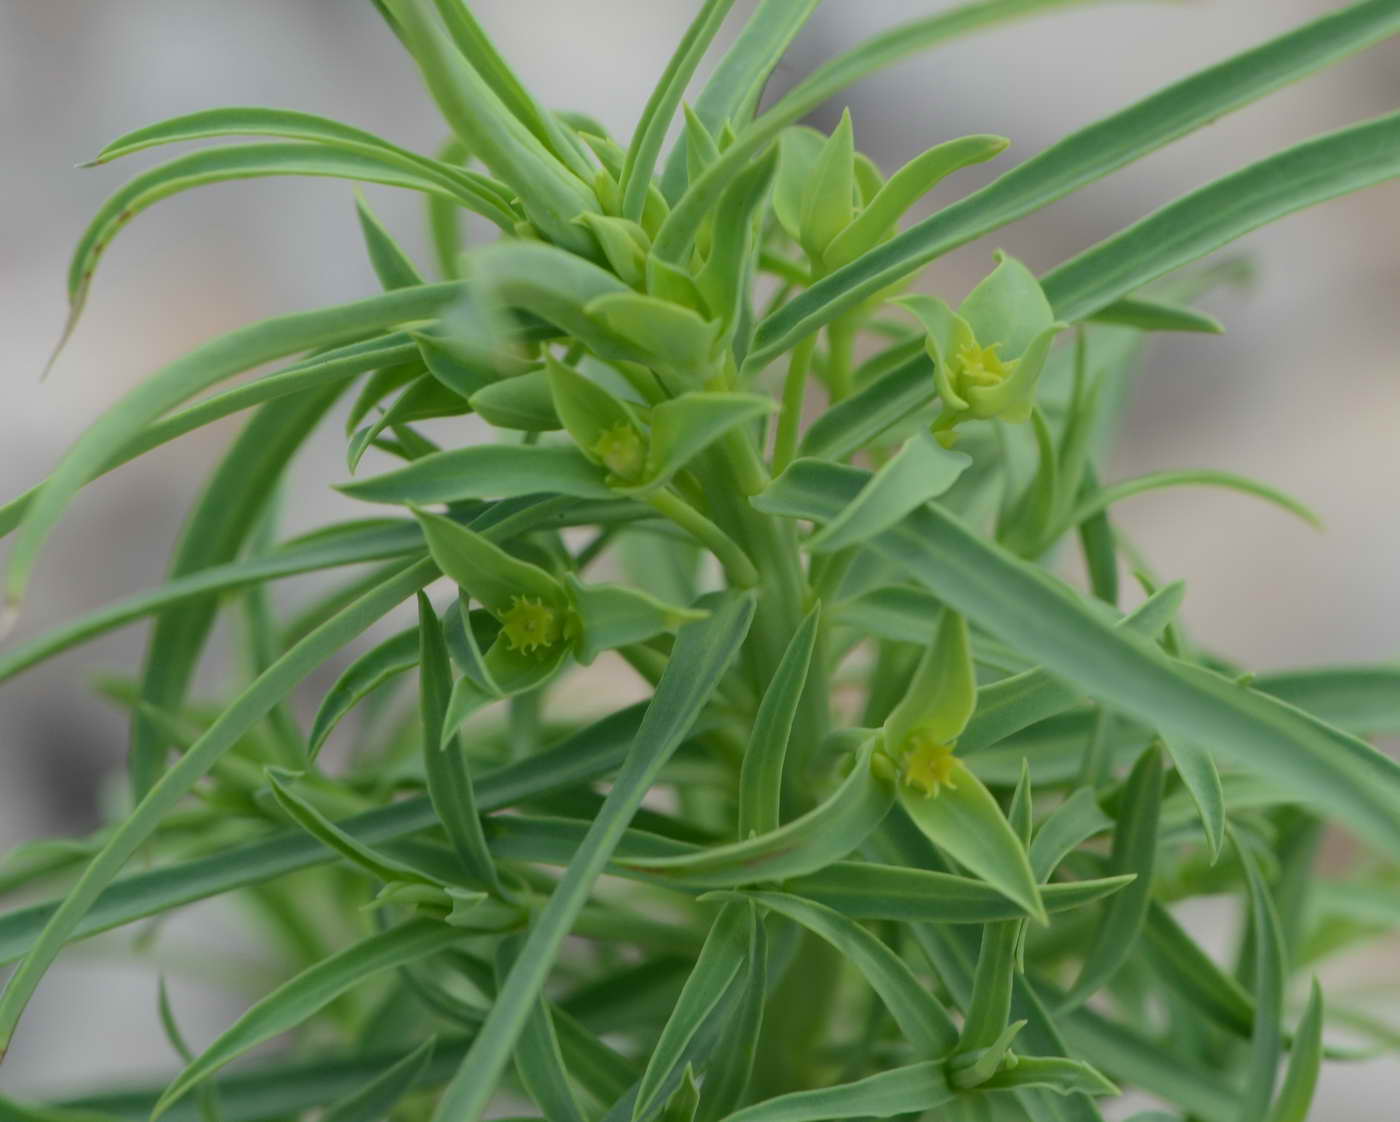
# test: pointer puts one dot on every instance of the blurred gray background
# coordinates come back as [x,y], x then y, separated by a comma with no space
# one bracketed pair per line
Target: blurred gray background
[1302,391]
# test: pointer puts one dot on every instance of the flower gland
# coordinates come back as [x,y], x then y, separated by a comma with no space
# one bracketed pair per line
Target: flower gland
[530,624]
[621,451]
[981,366]
[928,764]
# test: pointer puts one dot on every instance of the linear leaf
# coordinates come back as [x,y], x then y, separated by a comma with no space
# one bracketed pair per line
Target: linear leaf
[378,1098]
[1296,1095]
[241,715]
[1152,315]
[481,471]
[661,107]
[902,1090]
[538,1057]
[373,542]
[721,961]
[824,834]
[1105,497]
[492,198]
[702,654]
[1075,161]
[1270,978]
[921,470]
[920,1016]
[1022,605]
[866,891]
[300,811]
[233,501]
[311,991]
[377,665]
[1134,851]
[1360,699]
[761,773]
[1323,168]
[731,94]
[203,367]
[589,754]
[880,51]
[323,369]
[444,763]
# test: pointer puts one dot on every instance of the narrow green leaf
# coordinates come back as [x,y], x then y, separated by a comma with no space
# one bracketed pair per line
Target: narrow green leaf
[1020,604]
[371,670]
[1178,960]
[1075,161]
[324,369]
[538,1057]
[703,652]
[487,61]
[200,369]
[523,403]
[493,199]
[828,195]
[551,194]
[234,500]
[921,470]
[1296,1095]
[1270,979]
[732,91]
[1134,851]
[306,816]
[922,1019]
[857,420]
[721,961]
[588,755]
[1055,1073]
[1323,168]
[906,187]
[1105,497]
[240,716]
[731,1067]
[378,1098]
[1360,699]
[1198,772]
[667,335]
[444,762]
[1152,315]
[391,264]
[661,107]
[358,543]
[481,471]
[903,1090]
[684,426]
[761,772]
[1068,826]
[613,615]
[864,891]
[311,991]
[824,834]
[964,820]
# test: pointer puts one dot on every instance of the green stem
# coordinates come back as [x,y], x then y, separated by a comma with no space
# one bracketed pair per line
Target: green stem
[794,394]
[735,561]
[841,341]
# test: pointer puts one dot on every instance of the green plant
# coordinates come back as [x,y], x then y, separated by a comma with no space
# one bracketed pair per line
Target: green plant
[918,800]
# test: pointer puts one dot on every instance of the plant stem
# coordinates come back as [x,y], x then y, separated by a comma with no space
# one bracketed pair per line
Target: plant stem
[794,393]
[735,561]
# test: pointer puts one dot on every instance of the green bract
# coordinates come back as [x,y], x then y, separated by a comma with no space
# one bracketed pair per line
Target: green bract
[900,821]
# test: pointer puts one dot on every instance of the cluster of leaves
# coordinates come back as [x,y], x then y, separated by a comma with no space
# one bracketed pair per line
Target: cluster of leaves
[900,802]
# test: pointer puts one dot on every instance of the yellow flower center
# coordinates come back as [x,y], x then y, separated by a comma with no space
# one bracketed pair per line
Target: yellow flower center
[620,448]
[531,624]
[982,366]
[929,764]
